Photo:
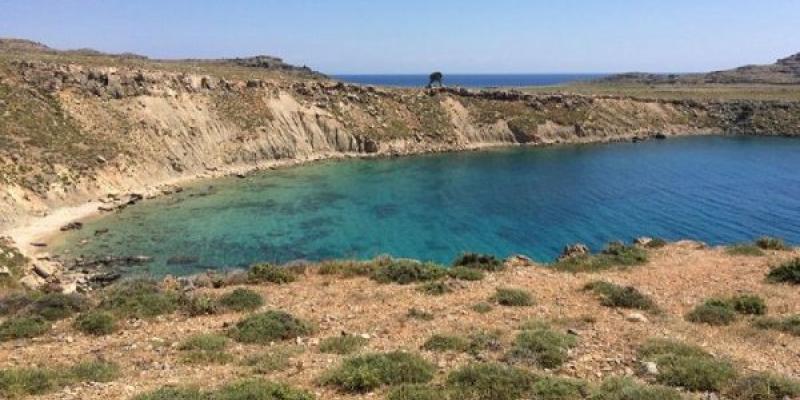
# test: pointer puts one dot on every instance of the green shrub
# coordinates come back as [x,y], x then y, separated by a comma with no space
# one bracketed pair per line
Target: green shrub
[96,323]
[269,326]
[613,295]
[172,394]
[512,297]
[749,304]
[615,255]
[18,382]
[259,389]
[483,340]
[241,300]
[466,273]
[342,344]
[56,306]
[764,386]
[491,382]
[419,392]
[415,313]
[713,312]
[347,268]
[364,373]
[790,325]
[205,349]
[750,250]
[94,371]
[788,272]
[16,301]
[275,359]
[408,271]
[771,243]
[482,307]
[436,288]
[198,304]
[628,389]
[687,366]
[268,273]
[446,343]
[484,262]
[543,347]
[139,298]
[556,388]
[23,328]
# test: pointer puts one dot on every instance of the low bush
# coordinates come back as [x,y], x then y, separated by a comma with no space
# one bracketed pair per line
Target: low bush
[443,343]
[687,366]
[771,243]
[16,301]
[764,386]
[23,328]
[277,358]
[268,273]
[347,268]
[542,347]
[788,272]
[615,255]
[557,388]
[139,298]
[486,381]
[96,323]
[750,250]
[628,389]
[656,243]
[259,389]
[269,326]
[512,297]
[405,271]
[484,262]
[713,312]
[419,392]
[365,373]
[436,288]
[482,307]
[205,349]
[790,324]
[466,273]
[749,304]
[415,313]
[198,304]
[57,306]
[173,394]
[241,300]
[613,295]
[345,344]
[19,382]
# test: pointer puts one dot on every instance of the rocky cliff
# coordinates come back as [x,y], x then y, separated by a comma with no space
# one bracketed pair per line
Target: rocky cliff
[78,126]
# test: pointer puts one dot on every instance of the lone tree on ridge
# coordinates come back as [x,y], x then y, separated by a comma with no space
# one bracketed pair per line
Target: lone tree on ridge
[435,78]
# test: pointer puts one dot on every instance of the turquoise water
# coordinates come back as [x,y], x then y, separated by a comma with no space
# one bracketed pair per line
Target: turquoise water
[523,200]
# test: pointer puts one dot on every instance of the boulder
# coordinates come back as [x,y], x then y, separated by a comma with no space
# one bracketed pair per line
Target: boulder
[574,250]
[45,269]
[642,241]
[31,282]
[72,226]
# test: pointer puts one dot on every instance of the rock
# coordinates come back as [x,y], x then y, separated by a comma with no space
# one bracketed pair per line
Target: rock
[38,244]
[72,226]
[31,282]
[45,270]
[99,232]
[660,136]
[4,272]
[643,240]
[650,368]
[574,250]
[636,317]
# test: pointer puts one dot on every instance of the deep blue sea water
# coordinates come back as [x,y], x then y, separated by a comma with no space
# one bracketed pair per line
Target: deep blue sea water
[470,80]
[522,200]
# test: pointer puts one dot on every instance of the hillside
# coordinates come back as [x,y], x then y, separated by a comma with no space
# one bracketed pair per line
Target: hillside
[78,126]
[785,71]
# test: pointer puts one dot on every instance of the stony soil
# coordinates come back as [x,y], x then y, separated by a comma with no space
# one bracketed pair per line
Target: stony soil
[678,277]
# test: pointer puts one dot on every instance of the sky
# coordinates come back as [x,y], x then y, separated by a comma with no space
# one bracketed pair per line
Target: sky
[416,36]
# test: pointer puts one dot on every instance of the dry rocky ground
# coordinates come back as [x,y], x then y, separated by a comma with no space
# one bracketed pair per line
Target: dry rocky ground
[677,277]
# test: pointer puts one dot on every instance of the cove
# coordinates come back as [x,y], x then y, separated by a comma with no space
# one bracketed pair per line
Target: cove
[531,201]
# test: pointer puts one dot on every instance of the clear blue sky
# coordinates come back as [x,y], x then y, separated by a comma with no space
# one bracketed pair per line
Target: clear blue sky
[377,36]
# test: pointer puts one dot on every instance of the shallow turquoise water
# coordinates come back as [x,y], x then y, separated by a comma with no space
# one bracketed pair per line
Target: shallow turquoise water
[524,200]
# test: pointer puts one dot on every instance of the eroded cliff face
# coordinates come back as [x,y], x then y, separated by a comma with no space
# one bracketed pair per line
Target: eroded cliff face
[72,132]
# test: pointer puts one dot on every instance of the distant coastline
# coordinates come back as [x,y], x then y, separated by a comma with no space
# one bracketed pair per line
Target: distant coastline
[469,80]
